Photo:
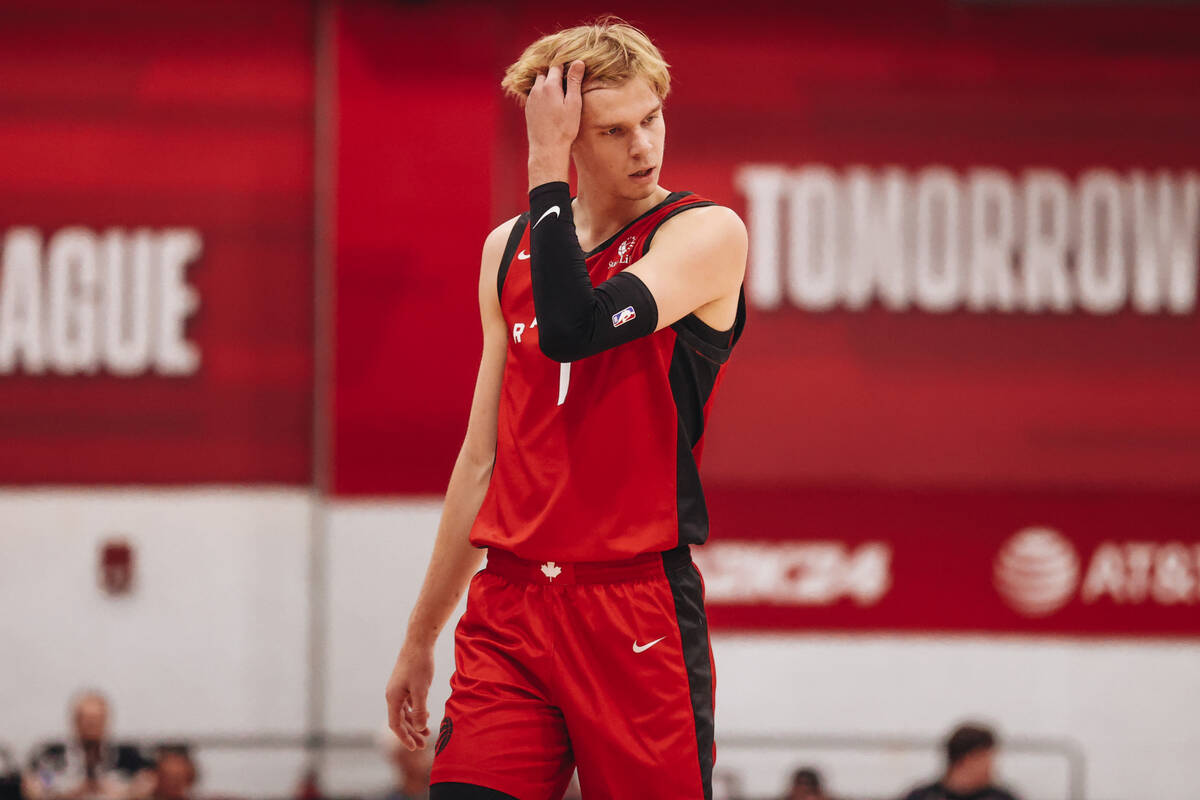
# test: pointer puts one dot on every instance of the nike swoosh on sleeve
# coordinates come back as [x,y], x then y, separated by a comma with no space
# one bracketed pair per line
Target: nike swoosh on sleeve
[551,210]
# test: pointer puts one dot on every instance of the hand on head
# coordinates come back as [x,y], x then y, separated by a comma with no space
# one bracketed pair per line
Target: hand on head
[552,117]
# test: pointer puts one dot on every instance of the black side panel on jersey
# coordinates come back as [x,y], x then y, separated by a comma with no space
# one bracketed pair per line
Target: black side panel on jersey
[709,342]
[510,250]
[699,352]
[696,361]
[465,791]
[692,377]
[688,593]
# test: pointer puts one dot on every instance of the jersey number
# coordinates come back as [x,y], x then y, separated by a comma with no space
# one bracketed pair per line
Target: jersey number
[564,380]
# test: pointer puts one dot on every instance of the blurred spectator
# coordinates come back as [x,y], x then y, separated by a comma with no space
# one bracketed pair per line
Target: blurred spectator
[174,773]
[10,776]
[970,759]
[727,785]
[89,765]
[806,785]
[411,767]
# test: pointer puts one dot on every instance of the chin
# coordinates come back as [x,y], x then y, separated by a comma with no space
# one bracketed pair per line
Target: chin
[641,192]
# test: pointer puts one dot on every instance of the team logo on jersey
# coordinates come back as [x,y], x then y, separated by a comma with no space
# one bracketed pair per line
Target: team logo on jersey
[624,252]
[623,316]
[443,736]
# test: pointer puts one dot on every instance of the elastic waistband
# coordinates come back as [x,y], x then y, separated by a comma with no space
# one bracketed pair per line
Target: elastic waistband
[644,567]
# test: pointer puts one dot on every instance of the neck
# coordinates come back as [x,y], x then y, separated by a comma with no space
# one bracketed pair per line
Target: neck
[598,216]
[960,783]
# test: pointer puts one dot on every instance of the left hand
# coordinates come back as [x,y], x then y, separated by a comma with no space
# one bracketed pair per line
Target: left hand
[552,121]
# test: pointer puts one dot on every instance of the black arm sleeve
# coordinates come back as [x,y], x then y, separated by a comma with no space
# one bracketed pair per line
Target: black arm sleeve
[575,320]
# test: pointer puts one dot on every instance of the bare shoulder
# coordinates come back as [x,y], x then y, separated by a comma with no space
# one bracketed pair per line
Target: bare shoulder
[712,230]
[493,245]
[721,222]
[489,272]
[489,263]
[712,240]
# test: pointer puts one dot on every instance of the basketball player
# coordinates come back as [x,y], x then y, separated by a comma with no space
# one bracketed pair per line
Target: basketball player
[608,319]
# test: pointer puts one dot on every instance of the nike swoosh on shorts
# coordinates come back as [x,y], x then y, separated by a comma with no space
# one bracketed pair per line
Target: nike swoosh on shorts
[641,648]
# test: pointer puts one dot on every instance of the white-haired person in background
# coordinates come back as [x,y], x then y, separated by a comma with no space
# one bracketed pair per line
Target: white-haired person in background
[90,764]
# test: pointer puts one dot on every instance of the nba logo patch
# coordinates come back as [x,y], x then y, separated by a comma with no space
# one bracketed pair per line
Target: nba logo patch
[623,316]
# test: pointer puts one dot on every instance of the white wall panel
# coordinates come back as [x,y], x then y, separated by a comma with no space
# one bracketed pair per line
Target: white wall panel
[1129,706]
[377,557]
[212,639]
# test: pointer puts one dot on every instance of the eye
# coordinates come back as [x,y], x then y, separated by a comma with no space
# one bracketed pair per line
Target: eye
[612,131]
[650,119]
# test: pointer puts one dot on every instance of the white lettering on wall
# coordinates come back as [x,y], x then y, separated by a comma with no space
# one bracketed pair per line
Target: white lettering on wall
[81,301]
[1130,573]
[806,573]
[985,240]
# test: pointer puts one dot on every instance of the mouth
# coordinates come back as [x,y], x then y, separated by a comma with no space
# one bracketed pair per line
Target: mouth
[644,173]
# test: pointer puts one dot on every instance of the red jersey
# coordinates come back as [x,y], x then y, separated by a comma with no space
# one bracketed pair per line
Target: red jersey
[598,460]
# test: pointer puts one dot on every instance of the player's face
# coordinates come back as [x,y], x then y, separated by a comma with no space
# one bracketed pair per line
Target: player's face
[619,149]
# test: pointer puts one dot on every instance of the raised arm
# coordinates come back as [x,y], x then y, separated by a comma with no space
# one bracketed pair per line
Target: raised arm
[698,258]
[454,560]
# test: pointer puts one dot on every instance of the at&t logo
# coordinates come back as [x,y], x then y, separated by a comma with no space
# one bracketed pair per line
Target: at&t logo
[1036,571]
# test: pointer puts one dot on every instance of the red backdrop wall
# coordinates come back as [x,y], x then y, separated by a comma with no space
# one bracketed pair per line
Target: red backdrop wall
[156,116]
[1004,470]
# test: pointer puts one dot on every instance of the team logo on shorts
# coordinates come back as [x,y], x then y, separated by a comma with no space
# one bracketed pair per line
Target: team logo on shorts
[444,732]
[624,252]
[623,316]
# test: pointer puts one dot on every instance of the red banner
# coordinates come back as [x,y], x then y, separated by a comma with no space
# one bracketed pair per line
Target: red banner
[1092,563]
[973,238]
[156,233]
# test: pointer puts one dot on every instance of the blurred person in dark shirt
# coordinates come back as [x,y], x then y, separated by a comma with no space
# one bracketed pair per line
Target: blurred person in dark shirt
[175,773]
[90,765]
[806,785]
[970,761]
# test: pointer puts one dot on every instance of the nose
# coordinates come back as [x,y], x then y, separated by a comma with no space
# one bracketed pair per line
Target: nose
[641,143]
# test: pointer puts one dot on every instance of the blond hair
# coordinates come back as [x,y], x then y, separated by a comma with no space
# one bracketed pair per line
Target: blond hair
[612,50]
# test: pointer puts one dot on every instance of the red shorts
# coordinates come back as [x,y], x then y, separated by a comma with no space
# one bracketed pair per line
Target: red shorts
[601,666]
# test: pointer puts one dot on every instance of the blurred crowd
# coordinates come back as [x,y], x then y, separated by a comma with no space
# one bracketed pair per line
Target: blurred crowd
[970,752]
[90,764]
